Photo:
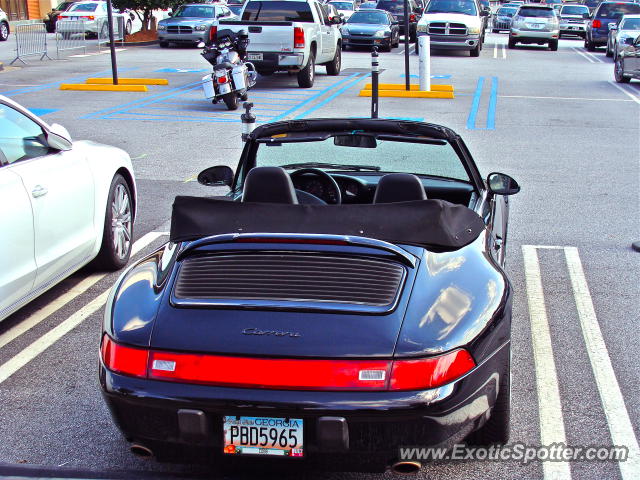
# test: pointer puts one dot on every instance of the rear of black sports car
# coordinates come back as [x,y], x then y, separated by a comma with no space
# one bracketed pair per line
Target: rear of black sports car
[307,350]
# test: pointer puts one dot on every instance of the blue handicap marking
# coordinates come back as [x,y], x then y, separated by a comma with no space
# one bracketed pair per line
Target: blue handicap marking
[181,70]
[42,111]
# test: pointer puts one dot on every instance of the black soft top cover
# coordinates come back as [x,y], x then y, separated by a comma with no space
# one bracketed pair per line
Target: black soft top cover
[426,223]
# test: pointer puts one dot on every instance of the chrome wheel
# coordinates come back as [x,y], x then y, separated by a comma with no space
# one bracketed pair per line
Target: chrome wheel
[4,31]
[121,222]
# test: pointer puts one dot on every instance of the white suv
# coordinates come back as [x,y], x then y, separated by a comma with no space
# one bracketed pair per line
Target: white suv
[4,26]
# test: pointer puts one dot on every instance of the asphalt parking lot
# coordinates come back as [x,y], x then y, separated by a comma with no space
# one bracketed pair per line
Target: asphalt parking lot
[555,121]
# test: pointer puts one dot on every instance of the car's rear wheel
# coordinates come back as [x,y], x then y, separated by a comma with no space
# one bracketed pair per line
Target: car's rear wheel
[475,52]
[589,45]
[553,45]
[496,429]
[117,234]
[307,75]
[333,67]
[4,31]
[618,71]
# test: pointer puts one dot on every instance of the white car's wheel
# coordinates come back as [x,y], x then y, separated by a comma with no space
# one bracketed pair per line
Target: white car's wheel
[118,227]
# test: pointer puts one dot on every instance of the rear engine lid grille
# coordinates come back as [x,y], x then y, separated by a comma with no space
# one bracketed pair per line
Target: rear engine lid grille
[284,278]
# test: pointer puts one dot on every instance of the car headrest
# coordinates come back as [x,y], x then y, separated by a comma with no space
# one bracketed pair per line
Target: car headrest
[269,185]
[399,187]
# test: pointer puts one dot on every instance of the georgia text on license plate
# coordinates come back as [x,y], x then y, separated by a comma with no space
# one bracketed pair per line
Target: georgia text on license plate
[263,436]
[535,26]
[254,56]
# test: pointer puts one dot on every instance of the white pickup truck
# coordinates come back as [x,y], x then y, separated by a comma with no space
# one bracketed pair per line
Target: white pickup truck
[290,35]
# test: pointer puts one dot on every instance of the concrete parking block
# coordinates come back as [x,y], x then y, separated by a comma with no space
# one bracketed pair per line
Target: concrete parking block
[128,81]
[103,88]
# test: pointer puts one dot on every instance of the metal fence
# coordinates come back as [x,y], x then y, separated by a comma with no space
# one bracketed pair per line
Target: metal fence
[31,39]
[70,35]
[103,30]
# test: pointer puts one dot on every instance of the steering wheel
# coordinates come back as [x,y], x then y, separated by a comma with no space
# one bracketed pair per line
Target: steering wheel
[328,181]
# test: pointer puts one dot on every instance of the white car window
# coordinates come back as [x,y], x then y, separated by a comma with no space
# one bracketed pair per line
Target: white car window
[20,137]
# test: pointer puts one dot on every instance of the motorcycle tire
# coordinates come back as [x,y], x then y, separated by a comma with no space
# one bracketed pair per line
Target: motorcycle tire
[230,100]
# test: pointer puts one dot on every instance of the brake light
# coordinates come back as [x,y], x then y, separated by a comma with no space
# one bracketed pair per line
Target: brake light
[87,17]
[287,374]
[596,24]
[298,37]
[213,32]
[125,360]
[222,79]
[412,18]
[62,17]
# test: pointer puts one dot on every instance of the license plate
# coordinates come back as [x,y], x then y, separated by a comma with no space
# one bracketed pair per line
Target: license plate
[254,56]
[535,26]
[267,436]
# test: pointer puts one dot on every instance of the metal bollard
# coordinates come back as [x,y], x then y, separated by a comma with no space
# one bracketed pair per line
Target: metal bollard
[424,43]
[375,72]
[248,121]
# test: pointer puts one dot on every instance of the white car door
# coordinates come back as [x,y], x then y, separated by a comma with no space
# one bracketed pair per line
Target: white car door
[61,190]
[17,263]
[329,35]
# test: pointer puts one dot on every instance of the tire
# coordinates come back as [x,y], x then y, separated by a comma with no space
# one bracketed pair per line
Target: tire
[230,100]
[307,75]
[117,234]
[615,55]
[475,52]
[164,44]
[512,43]
[588,45]
[608,52]
[333,67]
[397,42]
[4,31]
[386,48]
[496,429]
[553,45]
[618,71]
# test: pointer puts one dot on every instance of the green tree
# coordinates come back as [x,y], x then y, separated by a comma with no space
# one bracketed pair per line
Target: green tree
[144,9]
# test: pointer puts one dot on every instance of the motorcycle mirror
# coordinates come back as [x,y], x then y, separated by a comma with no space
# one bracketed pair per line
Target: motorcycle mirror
[200,44]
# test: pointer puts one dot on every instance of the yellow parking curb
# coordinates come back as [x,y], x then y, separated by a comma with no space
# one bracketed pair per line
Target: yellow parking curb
[129,81]
[413,86]
[408,94]
[103,88]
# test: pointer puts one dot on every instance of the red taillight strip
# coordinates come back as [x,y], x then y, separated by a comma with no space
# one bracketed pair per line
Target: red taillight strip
[288,374]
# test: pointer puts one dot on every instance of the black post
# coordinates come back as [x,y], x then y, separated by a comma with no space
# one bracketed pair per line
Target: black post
[407,78]
[114,65]
[248,121]
[374,82]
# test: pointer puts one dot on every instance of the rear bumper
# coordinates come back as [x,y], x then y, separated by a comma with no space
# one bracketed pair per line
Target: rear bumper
[534,35]
[277,61]
[378,423]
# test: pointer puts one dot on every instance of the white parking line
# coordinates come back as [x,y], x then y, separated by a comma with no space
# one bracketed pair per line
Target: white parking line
[590,60]
[504,51]
[612,400]
[624,90]
[55,305]
[567,98]
[551,418]
[495,50]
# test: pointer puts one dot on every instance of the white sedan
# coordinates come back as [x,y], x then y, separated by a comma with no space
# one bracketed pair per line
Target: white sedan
[62,205]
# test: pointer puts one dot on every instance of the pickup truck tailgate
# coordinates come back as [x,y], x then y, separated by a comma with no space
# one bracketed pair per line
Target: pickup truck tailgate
[265,36]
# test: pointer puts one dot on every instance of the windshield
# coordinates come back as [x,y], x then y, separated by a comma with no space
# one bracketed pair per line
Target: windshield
[536,12]
[466,7]
[84,7]
[616,10]
[342,5]
[388,155]
[507,12]
[574,10]
[630,24]
[200,11]
[372,18]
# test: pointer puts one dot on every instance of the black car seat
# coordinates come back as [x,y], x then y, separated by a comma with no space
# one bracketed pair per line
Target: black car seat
[269,185]
[399,187]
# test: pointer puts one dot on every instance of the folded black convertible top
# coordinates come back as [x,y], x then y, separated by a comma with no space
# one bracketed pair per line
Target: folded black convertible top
[425,223]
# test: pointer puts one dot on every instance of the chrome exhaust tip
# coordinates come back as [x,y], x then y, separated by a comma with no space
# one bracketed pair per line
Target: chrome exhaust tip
[141,451]
[406,467]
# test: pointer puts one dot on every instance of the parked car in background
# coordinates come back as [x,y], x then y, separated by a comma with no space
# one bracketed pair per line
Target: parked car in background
[345,8]
[4,26]
[367,5]
[235,8]
[627,63]
[591,4]
[52,17]
[369,28]
[396,8]
[64,204]
[190,23]
[629,27]
[332,12]
[573,19]
[94,16]
[606,14]
[537,24]
[453,25]
[502,19]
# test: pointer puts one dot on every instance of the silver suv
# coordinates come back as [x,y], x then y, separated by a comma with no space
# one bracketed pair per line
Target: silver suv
[535,24]
[4,26]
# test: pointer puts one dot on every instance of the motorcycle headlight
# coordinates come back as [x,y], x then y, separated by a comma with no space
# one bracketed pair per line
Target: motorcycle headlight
[474,30]
[201,28]
[162,26]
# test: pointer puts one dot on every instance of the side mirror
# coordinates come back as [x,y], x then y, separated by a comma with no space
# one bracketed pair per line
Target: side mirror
[170,14]
[214,176]
[502,184]
[484,13]
[613,26]
[585,15]
[336,20]
[59,138]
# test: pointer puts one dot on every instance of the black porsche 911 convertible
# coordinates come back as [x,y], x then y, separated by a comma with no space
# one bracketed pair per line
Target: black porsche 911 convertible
[345,299]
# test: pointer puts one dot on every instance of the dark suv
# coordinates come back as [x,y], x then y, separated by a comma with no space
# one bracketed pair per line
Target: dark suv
[607,12]
[396,8]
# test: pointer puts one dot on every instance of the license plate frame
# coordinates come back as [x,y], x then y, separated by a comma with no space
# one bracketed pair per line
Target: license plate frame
[256,57]
[245,436]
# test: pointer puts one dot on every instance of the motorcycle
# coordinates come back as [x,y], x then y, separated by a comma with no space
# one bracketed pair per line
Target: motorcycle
[232,77]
